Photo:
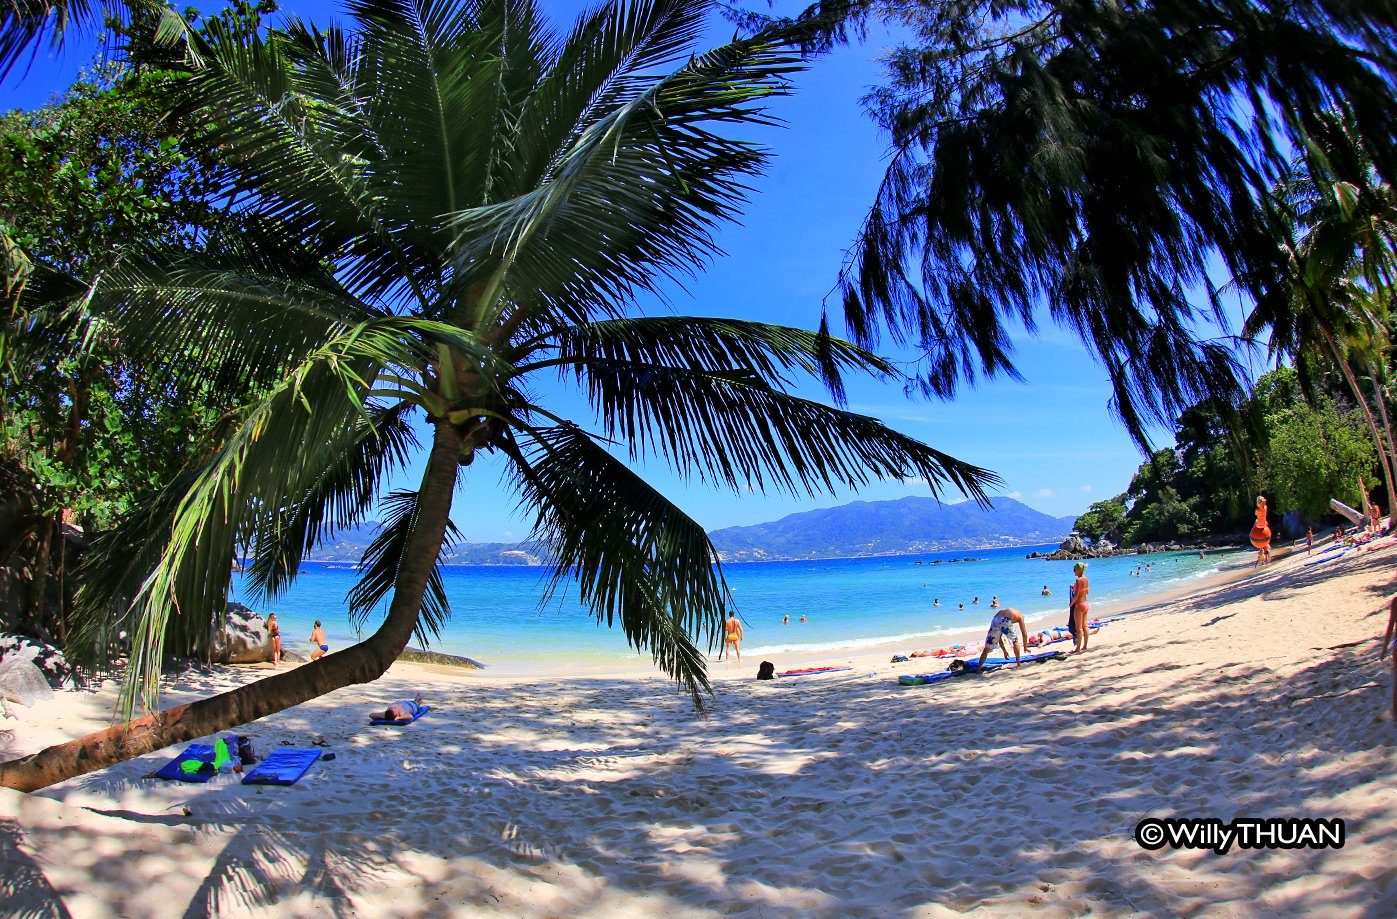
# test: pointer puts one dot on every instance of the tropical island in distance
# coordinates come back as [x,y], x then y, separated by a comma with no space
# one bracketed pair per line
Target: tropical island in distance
[859,529]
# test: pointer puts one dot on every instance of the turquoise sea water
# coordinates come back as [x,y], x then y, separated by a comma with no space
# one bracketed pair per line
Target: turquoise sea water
[849,603]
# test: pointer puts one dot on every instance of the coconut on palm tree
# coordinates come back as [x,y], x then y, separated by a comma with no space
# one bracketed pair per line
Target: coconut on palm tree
[434,211]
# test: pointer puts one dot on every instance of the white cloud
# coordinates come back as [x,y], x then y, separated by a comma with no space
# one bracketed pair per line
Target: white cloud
[508,534]
[1016,495]
[1044,493]
[1086,488]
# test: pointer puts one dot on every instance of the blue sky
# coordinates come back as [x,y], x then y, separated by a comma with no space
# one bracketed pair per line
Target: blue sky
[1051,438]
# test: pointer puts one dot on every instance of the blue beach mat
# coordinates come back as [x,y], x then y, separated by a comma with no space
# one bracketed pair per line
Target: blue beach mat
[421,710]
[171,771]
[924,679]
[1327,557]
[283,767]
[991,663]
[1027,658]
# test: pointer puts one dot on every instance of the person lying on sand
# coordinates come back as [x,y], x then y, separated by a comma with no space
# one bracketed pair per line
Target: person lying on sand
[1002,628]
[1388,640]
[402,710]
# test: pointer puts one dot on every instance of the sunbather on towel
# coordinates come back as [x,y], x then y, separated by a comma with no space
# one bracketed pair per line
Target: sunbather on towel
[403,710]
[1001,628]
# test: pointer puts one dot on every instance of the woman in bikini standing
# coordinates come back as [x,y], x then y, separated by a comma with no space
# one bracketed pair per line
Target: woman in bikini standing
[1079,607]
[274,633]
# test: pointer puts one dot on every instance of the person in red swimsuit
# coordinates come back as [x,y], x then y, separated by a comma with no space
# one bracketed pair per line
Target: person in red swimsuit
[1079,606]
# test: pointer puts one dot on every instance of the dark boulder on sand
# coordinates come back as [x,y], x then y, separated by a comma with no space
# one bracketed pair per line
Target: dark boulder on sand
[243,638]
[50,661]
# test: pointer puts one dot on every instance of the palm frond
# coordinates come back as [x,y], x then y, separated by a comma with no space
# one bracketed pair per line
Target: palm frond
[638,560]
[606,61]
[319,406]
[733,428]
[27,24]
[290,119]
[649,176]
[340,497]
[378,569]
[446,79]
[767,351]
[238,318]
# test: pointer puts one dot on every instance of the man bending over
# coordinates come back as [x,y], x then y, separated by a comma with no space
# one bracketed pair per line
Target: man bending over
[1002,628]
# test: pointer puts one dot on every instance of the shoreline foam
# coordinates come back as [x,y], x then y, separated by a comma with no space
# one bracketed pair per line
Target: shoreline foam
[1010,794]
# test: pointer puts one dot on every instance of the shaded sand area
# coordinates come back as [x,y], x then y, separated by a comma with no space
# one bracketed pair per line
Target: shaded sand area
[1011,794]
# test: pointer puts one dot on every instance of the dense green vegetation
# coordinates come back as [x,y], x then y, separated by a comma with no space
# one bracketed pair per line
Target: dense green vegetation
[88,432]
[250,239]
[1299,452]
[434,208]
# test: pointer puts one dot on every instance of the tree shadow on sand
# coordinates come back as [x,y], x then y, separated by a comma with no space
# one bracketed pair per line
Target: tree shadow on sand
[25,891]
[843,796]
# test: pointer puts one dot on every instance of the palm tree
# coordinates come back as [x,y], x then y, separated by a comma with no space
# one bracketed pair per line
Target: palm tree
[1340,254]
[26,24]
[433,211]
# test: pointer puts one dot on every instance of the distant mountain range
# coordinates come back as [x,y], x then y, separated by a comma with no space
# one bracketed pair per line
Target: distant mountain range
[348,545]
[857,530]
[903,527]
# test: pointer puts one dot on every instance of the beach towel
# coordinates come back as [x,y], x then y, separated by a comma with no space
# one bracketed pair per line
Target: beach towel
[203,752]
[284,767]
[421,710]
[923,679]
[811,671]
[991,664]
[1027,659]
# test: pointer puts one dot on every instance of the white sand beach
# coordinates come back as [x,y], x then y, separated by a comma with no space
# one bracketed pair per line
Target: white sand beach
[1011,794]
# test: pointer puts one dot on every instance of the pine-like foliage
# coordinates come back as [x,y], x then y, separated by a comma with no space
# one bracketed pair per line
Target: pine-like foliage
[1106,166]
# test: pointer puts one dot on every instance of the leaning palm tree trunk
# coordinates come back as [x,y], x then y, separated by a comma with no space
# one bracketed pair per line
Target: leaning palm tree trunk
[362,663]
[1390,456]
[1347,369]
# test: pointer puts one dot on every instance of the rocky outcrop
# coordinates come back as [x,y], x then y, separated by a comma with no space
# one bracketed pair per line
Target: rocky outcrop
[419,656]
[243,639]
[46,657]
[1074,548]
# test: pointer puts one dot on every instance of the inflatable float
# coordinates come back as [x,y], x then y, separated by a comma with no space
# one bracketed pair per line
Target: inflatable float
[1344,510]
